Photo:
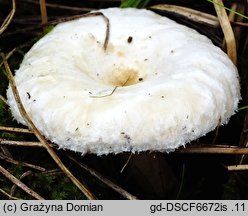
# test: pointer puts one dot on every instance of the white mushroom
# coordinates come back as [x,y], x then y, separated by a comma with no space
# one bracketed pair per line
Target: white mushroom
[157,86]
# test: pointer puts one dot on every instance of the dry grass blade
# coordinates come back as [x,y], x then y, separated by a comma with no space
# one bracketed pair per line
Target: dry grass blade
[227,30]
[239,8]
[107,95]
[20,184]
[8,195]
[52,172]
[128,160]
[43,12]
[45,144]
[112,92]
[8,18]
[212,149]
[194,15]
[216,132]
[105,180]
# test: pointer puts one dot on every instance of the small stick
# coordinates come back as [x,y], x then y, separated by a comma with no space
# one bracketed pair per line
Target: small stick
[45,144]
[14,129]
[8,195]
[25,174]
[8,19]
[212,150]
[20,184]
[240,167]
[4,100]
[20,143]
[53,172]
[8,55]
[128,160]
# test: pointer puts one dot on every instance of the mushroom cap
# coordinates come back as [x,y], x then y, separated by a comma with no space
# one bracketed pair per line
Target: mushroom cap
[157,86]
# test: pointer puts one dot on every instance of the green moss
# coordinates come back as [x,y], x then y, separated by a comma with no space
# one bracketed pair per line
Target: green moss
[56,186]
[48,185]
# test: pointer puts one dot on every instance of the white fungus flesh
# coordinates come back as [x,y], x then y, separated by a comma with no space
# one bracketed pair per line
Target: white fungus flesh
[157,86]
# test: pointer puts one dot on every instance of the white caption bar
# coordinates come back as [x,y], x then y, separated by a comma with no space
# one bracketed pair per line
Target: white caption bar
[123,208]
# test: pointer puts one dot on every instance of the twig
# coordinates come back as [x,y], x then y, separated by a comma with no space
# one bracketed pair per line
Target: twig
[4,100]
[8,195]
[227,30]
[20,184]
[105,180]
[25,174]
[2,156]
[45,144]
[8,56]
[14,129]
[8,19]
[20,143]
[215,149]
[240,167]
[51,172]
